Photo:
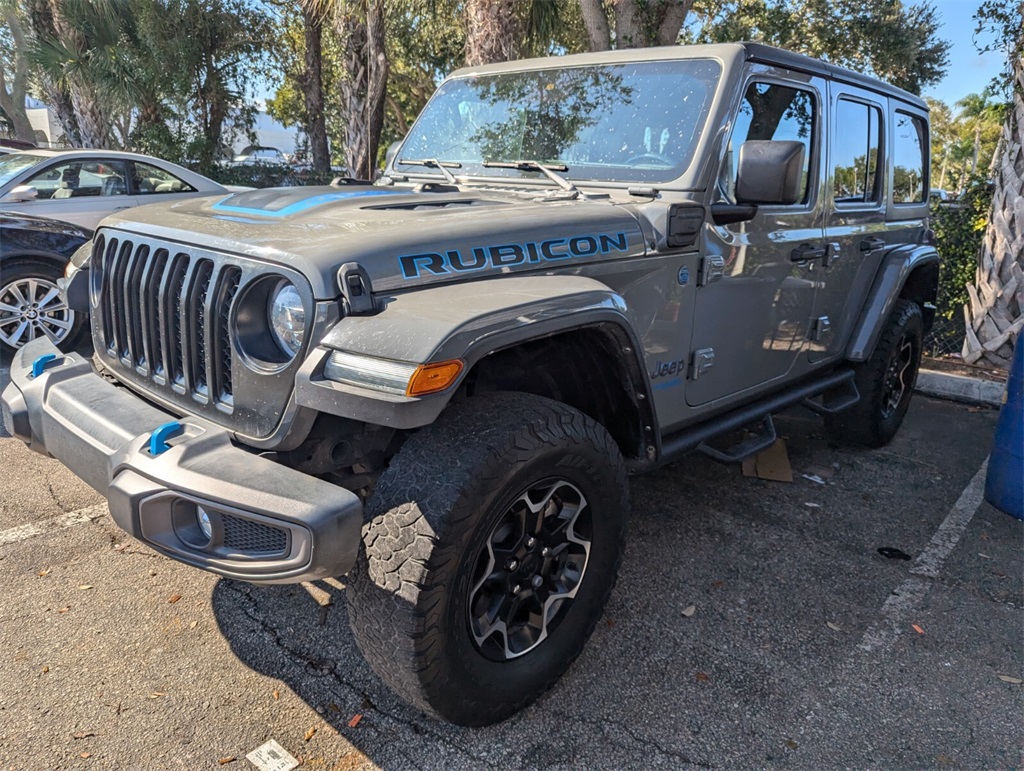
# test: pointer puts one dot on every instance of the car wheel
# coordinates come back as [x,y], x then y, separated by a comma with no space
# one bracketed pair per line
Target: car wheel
[31,307]
[492,544]
[885,381]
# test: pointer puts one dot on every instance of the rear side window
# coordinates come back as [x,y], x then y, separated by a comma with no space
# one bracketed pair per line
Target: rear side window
[150,179]
[855,153]
[910,141]
[771,111]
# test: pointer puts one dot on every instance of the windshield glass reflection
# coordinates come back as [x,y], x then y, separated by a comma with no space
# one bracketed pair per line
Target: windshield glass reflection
[630,122]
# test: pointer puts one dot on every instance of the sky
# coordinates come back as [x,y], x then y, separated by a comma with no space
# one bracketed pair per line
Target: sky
[968,71]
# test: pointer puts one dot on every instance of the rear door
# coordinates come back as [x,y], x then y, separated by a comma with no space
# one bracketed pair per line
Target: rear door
[751,316]
[855,225]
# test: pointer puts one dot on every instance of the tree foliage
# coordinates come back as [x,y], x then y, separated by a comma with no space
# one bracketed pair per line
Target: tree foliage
[176,77]
[164,76]
[964,139]
[890,39]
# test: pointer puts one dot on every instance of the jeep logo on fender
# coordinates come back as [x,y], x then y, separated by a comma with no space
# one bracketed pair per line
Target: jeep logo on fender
[508,255]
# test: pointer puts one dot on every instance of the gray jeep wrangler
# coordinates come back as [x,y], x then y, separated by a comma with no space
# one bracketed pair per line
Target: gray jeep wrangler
[573,269]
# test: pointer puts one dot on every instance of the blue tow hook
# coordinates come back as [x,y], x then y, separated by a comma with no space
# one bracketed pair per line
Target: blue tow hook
[158,439]
[39,365]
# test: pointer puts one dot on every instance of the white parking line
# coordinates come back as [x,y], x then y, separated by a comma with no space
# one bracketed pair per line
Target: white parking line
[32,529]
[908,596]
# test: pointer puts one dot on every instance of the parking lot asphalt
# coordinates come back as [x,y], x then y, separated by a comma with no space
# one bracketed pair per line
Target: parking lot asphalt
[804,647]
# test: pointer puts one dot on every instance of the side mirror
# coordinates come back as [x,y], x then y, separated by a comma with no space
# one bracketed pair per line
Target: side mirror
[770,172]
[20,194]
[392,153]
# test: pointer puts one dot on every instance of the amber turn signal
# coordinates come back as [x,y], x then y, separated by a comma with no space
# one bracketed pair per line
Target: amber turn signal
[431,378]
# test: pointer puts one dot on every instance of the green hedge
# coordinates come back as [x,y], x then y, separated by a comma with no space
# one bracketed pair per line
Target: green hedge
[266,175]
[959,228]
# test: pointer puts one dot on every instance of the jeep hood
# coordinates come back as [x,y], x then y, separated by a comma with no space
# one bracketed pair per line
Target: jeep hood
[402,238]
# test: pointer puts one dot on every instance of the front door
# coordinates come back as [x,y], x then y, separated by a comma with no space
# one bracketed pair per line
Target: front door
[754,320]
[81,191]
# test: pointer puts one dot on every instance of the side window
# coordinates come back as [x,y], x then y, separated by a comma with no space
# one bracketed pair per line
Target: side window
[772,111]
[910,139]
[80,179]
[855,152]
[149,179]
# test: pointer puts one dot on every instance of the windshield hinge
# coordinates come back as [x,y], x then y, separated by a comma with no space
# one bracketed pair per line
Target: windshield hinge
[356,290]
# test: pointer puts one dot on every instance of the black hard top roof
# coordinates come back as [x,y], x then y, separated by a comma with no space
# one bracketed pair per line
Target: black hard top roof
[765,54]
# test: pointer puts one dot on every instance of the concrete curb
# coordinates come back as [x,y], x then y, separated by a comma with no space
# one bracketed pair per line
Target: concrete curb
[959,388]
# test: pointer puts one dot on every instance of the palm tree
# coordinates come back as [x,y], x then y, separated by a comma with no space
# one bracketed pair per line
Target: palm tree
[976,112]
[77,47]
[503,30]
[995,314]
[16,64]
[492,31]
[359,26]
[313,84]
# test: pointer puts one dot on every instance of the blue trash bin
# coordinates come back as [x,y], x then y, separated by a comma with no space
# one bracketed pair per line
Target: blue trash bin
[1004,483]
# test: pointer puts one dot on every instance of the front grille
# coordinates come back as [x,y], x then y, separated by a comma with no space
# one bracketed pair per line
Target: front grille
[251,537]
[187,327]
[165,315]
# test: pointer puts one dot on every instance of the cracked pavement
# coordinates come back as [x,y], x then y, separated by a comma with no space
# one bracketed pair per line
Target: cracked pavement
[116,657]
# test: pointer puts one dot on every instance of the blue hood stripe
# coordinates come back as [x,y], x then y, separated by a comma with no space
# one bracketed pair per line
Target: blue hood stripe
[298,206]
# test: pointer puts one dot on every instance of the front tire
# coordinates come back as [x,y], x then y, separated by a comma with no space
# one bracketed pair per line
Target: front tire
[493,542]
[885,381]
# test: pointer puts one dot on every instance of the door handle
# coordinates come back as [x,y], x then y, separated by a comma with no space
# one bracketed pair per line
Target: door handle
[871,244]
[808,252]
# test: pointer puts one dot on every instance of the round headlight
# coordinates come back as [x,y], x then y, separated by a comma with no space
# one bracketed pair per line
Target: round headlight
[287,317]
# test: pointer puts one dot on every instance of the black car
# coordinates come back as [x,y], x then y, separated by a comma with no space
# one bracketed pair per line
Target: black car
[33,254]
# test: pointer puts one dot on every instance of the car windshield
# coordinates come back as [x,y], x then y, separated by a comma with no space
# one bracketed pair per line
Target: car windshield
[627,122]
[12,165]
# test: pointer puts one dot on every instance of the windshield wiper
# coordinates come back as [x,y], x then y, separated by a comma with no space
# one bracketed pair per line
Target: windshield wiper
[547,170]
[433,163]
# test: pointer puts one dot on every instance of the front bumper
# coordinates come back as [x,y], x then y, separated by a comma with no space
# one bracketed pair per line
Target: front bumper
[269,523]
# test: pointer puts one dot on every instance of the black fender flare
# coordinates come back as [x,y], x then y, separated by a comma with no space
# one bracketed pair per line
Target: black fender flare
[896,268]
[466,321]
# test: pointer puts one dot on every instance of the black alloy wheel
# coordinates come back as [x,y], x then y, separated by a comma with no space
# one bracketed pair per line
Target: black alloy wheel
[529,570]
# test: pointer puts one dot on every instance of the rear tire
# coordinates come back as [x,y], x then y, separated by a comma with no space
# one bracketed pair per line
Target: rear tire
[492,545]
[30,307]
[885,381]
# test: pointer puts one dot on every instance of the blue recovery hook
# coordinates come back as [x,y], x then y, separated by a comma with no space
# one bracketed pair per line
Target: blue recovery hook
[158,439]
[39,365]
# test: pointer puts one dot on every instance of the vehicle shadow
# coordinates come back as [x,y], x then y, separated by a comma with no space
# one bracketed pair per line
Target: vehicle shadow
[617,692]
[726,681]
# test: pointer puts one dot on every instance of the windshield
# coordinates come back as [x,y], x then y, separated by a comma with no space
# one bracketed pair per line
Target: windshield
[629,122]
[12,165]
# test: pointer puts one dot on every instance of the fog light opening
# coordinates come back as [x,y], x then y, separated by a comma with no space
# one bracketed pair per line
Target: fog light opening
[204,522]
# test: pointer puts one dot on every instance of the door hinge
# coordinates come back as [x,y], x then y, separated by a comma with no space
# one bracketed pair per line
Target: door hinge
[821,328]
[833,251]
[684,223]
[703,360]
[712,268]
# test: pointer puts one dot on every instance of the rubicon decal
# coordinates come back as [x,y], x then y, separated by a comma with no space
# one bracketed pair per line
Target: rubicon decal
[510,255]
